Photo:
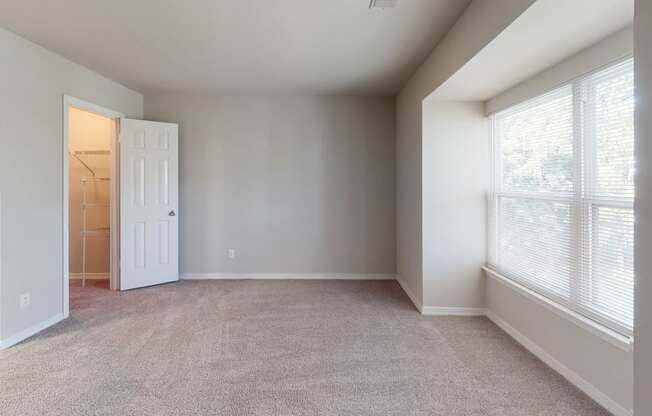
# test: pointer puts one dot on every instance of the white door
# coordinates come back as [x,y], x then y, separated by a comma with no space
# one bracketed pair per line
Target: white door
[149,187]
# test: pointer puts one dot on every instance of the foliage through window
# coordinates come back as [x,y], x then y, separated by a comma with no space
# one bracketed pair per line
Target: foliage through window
[561,211]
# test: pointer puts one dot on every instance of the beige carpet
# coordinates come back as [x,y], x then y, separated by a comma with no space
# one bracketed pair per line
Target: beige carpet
[275,348]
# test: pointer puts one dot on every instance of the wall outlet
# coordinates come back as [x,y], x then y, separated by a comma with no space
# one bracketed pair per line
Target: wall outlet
[231,253]
[25,300]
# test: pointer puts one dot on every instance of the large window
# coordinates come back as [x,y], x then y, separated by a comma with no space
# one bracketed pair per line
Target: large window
[561,212]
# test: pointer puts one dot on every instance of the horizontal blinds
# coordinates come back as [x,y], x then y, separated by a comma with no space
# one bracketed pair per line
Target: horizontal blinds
[536,145]
[606,289]
[608,107]
[561,219]
[536,242]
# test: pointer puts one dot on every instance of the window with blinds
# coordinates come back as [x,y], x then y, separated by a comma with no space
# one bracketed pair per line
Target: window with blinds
[561,211]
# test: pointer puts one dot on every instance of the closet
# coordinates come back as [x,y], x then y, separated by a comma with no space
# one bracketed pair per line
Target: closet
[89,203]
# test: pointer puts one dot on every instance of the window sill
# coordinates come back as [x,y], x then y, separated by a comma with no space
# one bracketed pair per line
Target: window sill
[621,341]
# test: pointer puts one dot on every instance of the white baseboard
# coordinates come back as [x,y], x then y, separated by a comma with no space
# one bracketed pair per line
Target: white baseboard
[570,375]
[574,378]
[89,276]
[285,276]
[32,330]
[438,310]
[452,311]
[409,293]
[588,388]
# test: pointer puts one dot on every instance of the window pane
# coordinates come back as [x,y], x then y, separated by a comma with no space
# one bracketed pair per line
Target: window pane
[536,145]
[611,101]
[536,243]
[609,291]
[561,219]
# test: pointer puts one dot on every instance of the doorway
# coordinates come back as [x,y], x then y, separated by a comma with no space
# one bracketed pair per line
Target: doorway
[136,158]
[91,199]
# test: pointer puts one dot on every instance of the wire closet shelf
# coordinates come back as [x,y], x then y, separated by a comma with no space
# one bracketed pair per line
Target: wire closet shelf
[87,206]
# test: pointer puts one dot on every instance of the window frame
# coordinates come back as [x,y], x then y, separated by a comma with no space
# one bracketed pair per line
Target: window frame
[583,200]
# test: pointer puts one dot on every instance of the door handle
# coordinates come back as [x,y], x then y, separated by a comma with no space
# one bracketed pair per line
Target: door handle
[172,213]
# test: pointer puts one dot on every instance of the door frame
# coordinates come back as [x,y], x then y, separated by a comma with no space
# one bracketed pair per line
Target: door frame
[114,265]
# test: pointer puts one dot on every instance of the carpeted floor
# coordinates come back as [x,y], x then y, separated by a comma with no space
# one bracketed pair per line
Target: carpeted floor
[275,348]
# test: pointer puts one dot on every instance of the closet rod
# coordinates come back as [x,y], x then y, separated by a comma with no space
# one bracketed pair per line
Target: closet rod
[96,179]
[92,152]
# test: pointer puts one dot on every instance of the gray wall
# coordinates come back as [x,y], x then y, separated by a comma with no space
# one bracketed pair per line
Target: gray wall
[568,343]
[610,49]
[601,364]
[643,260]
[293,184]
[480,23]
[32,83]
[608,368]
[456,154]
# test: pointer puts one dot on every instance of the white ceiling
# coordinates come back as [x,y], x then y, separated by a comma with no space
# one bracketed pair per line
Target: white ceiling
[545,34]
[240,46]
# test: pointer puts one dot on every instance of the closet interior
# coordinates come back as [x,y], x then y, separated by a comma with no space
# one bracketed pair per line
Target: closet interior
[89,150]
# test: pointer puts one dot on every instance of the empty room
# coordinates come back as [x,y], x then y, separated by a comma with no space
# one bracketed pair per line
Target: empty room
[342,207]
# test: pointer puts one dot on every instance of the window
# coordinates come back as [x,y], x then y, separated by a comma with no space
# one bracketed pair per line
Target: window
[561,211]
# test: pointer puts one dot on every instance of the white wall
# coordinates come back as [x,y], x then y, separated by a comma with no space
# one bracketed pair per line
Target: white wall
[610,49]
[32,83]
[609,369]
[293,184]
[455,163]
[481,22]
[643,207]
[606,367]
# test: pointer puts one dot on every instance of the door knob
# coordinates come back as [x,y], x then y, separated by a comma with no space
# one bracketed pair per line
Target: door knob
[172,213]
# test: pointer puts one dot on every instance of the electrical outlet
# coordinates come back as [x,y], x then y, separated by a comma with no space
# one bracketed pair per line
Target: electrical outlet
[231,253]
[24,300]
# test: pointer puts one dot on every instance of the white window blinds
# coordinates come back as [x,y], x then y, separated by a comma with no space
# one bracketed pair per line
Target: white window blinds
[561,212]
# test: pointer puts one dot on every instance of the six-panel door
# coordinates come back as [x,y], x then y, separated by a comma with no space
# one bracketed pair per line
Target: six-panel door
[149,226]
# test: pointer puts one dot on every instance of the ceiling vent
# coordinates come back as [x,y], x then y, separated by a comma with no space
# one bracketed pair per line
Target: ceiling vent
[382,4]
